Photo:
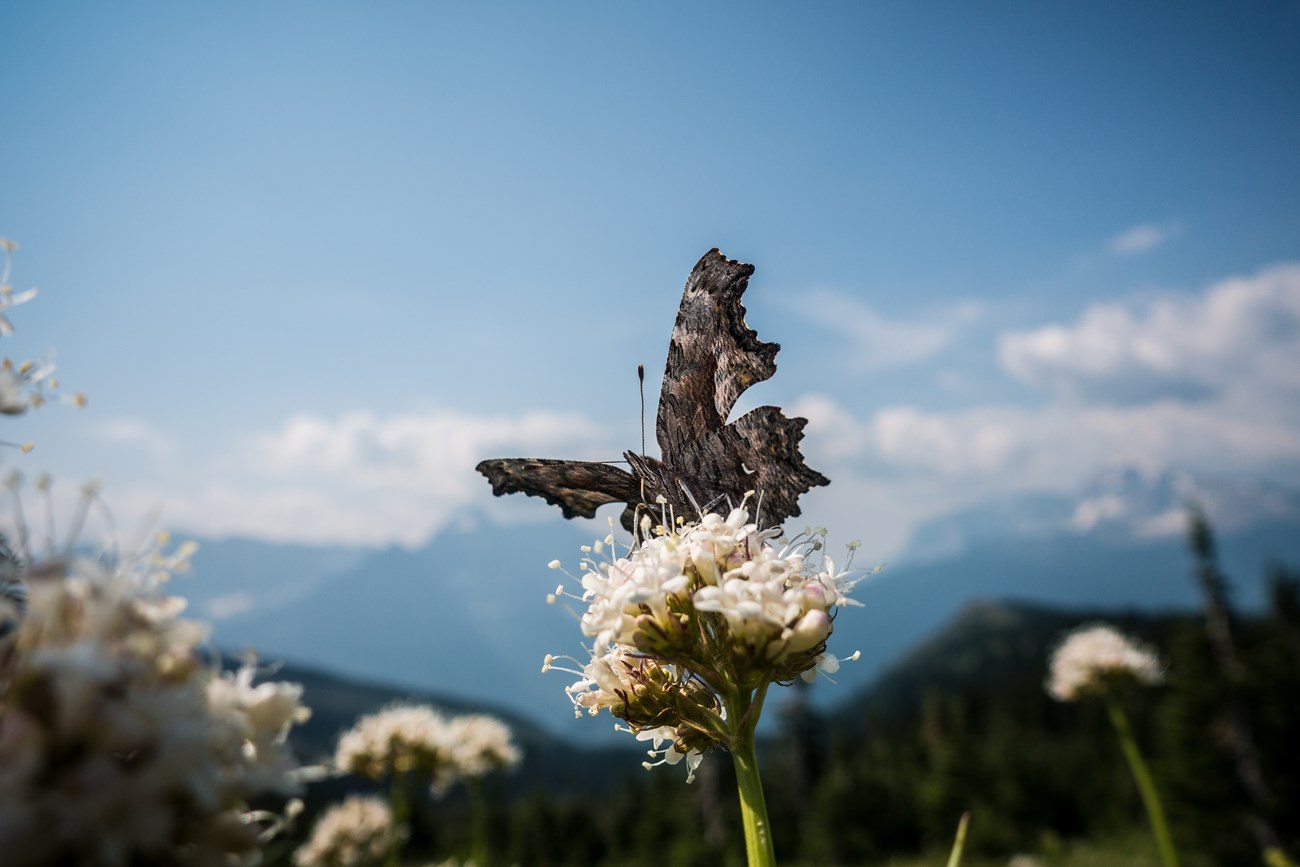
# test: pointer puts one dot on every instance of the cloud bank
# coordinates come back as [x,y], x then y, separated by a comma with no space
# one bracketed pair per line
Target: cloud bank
[361,478]
[1190,395]
[1201,388]
[1242,335]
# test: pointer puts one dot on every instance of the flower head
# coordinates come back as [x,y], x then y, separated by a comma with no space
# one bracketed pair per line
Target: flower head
[1092,655]
[252,723]
[355,833]
[477,745]
[416,739]
[773,610]
[9,298]
[699,611]
[400,739]
[27,384]
[119,743]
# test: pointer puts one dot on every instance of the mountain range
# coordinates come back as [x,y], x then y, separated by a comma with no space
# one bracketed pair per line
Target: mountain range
[465,616]
[982,645]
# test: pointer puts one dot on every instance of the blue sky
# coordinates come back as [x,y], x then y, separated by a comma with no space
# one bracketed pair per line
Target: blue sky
[312,261]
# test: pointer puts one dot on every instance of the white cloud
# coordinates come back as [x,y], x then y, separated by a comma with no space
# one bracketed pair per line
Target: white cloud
[230,605]
[880,342]
[134,433]
[360,478]
[1055,447]
[1197,394]
[1241,334]
[1142,238]
[904,466]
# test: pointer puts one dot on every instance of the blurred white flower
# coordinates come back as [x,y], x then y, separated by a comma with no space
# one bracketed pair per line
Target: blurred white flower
[25,385]
[1024,861]
[477,745]
[252,724]
[1092,654]
[417,740]
[8,297]
[119,743]
[355,833]
[401,739]
[12,399]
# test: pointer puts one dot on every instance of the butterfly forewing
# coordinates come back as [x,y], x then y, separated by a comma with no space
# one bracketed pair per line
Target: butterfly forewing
[713,355]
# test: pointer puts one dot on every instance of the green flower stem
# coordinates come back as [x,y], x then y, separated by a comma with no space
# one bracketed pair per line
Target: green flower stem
[743,713]
[401,808]
[478,808]
[1147,787]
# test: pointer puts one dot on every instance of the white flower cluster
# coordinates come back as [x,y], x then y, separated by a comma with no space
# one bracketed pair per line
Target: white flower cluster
[774,605]
[697,611]
[27,384]
[478,745]
[355,833]
[417,740]
[1090,655]
[403,739]
[119,743]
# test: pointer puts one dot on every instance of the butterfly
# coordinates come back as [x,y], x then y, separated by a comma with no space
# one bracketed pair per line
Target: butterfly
[708,463]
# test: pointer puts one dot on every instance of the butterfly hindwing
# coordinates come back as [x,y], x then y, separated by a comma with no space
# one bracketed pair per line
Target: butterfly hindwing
[757,452]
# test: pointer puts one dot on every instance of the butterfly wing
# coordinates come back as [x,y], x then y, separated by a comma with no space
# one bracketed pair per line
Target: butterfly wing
[712,358]
[713,355]
[757,452]
[577,487]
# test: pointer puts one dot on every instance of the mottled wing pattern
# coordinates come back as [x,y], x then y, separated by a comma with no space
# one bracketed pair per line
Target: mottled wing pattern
[713,355]
[757,452]
[577,487]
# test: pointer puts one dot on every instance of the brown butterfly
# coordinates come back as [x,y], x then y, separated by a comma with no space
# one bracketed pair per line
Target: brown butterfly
[708,464]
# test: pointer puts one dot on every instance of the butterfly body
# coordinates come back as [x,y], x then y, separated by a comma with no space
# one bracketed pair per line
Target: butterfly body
[708,463]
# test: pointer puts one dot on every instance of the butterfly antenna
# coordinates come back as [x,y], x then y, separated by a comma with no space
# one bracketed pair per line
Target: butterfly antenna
[640,375]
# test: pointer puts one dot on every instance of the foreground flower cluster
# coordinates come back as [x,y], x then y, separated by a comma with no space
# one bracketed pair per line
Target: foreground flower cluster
[691,627]
[119,743]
